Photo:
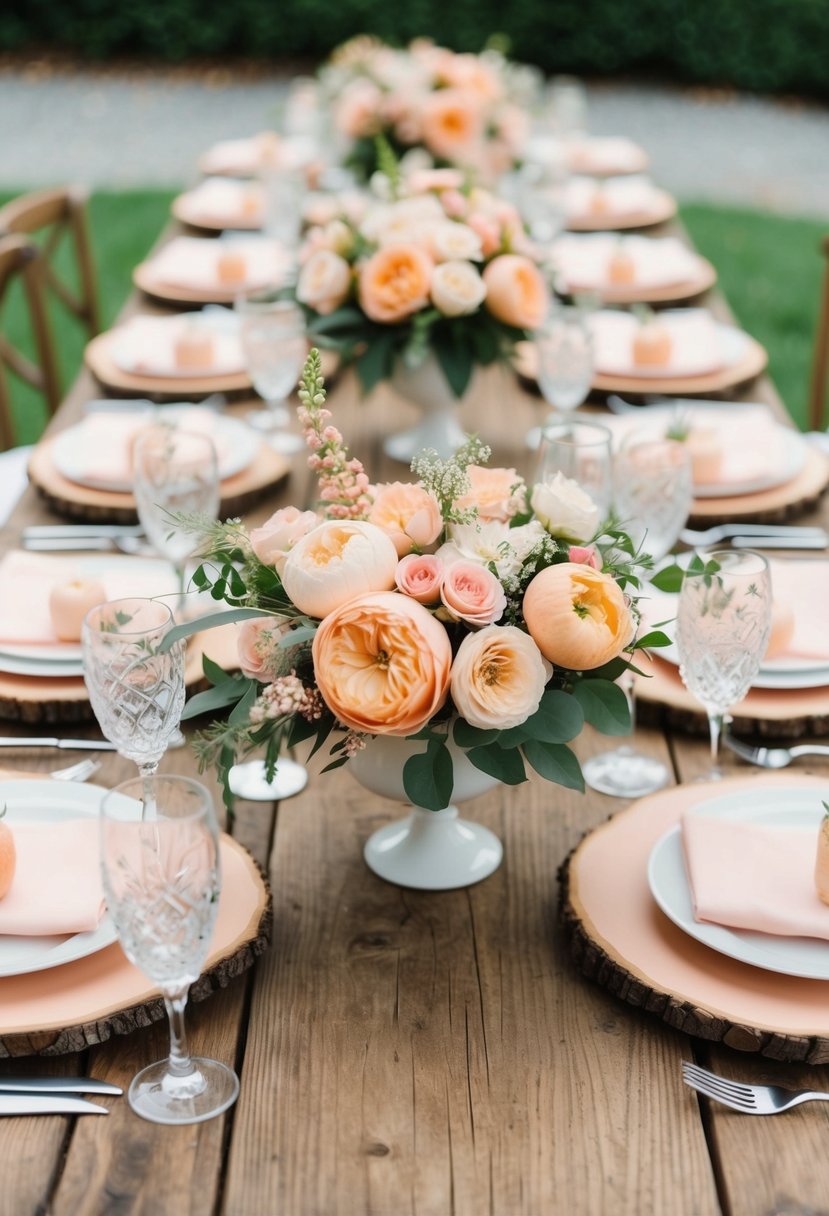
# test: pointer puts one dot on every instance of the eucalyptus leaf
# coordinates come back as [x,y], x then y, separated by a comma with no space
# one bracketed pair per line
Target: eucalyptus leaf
[605,706]
[472,736]
[187,628]
[653,640]
[218,697]
[295,637]
[506,765]
[427,778]
[241,713]
[558,718]
[555,762]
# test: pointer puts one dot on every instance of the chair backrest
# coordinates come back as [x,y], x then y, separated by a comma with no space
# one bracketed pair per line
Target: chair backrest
[57,213]
[21,260]
[820,361]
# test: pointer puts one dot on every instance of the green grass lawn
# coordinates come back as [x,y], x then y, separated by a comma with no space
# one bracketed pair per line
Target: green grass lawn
[769,270]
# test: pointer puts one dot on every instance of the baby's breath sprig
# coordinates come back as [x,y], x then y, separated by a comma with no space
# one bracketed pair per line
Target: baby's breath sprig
[448,480]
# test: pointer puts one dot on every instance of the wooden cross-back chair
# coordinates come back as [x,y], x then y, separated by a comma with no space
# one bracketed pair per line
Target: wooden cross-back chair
[55,214]
[820,362]
[21,260]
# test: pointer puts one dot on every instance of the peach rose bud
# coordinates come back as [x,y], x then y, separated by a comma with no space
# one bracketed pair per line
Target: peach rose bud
[578,617]
[473,594]
[336,562]
[498,677]
[585,555]
[516,291]
[324,281]
[420,576]
[394,283]
[408,514]
[272,542]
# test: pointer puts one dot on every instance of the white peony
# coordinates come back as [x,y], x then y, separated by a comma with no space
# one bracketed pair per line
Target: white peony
[457,288]
[337,561]
[565,509]
[491,542]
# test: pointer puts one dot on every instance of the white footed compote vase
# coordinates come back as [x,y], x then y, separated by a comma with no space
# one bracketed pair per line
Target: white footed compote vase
[428,850]
[426,387]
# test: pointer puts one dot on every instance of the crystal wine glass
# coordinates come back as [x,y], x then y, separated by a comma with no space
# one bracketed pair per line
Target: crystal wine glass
[581,452]
[653,489]
[161,875]
[175,470]
[136,689]
[566,363]
[272,332]
[723,626]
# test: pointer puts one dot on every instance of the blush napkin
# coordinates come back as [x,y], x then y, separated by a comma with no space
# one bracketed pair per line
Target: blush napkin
[751,877]
[57,883]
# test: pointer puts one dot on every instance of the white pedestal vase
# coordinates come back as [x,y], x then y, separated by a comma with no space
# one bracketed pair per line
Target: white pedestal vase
[428,850]
[426,387]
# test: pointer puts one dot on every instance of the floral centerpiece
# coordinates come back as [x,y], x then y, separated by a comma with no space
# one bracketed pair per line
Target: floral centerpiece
[436,267]
[433,105]
[464,606]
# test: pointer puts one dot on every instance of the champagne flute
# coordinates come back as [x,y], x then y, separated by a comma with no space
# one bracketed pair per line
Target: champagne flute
[161,875]
[653,491]
[723,626]
[579,451]
[175,470]
[136,689]
[565,360]
[272,333]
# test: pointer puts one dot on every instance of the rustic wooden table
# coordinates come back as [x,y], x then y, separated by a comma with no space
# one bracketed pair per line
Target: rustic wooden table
[402,1052]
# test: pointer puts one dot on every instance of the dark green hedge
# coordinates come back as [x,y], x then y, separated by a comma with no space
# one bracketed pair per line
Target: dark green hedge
[763,45]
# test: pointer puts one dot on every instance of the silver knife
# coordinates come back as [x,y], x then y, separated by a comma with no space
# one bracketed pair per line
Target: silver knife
[70,745]
[780,542]
[79,531]
[47,1104]
[57,1085]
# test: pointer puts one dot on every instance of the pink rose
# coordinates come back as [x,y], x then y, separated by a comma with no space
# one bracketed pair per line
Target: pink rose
[408,514]
[434,179]
[495,492]
[357,113]
[516,291]
[420,576]
[257,646]
[487,230]
[272,542]
[324,281]
[585,555]
[472,593]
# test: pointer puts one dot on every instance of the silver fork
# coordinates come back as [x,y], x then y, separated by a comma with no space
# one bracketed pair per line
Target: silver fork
[76,772]
[748,1099]
[774,757]
[720,532]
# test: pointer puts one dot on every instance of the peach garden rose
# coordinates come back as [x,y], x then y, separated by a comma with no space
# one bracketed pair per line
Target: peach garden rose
[407,514]
[498,677]
[324,281]
[382,664]
[578,616]
[515,291]
[394,282]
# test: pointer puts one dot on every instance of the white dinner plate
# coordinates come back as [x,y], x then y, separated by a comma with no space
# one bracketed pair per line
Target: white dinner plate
[805,957]
[236,446]
[731,347]
[50,802]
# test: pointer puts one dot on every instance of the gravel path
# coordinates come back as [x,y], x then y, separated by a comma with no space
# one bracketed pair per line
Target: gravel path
[146,128]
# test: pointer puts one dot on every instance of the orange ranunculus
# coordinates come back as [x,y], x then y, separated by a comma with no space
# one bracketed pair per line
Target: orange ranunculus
[515,291]
[577,616]
[408,514]
[453,124]
[394,283]
[382,664]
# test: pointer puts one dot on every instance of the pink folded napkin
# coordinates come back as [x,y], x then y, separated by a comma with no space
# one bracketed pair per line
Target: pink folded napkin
[604,155]
[751,877]
[226,203]
[583,260]
[146,346]
[803,587]
[623,196]
[24,615]
[193,262]
[57,881]
[103,443]
[696,344]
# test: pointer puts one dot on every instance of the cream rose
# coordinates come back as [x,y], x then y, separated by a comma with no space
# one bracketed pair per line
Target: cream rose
[272,542]
[565,509]
[394,283]
[408,514]
[382,664]
[454,242]
[515,291]
[473,594]
[335,562]
[496,493]
[498,677]
[324,281]
[457,288]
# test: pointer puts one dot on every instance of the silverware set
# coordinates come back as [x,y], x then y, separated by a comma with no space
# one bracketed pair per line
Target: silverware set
[758,536]
[774,757]
[53,1095]
[745,1098]
[103,538]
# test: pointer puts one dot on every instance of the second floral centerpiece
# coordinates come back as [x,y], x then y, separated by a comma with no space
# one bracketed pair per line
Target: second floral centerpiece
[476,621]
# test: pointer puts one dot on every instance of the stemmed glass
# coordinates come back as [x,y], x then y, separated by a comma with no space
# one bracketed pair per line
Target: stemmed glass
[272,333]
[653,491]
[579,451]
[175,470]
[723,626]
[566,360]
[136,689]
[161,875]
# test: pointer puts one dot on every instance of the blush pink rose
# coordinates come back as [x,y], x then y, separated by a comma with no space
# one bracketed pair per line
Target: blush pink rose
[324,281]
[395,282]
[273,541]
[488,230]
[434,179]
[357,113]
[472,593]
[453,124]
[585,555]
[257,644]
[516,291]
[495,492]
[408,514]
[420,576]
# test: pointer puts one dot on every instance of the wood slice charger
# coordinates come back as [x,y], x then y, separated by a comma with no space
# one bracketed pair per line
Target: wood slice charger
[66,1009]
[620,938]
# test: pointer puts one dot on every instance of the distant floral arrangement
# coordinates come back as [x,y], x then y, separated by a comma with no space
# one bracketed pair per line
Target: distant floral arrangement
[433,105]
[465,604]
[435,265]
